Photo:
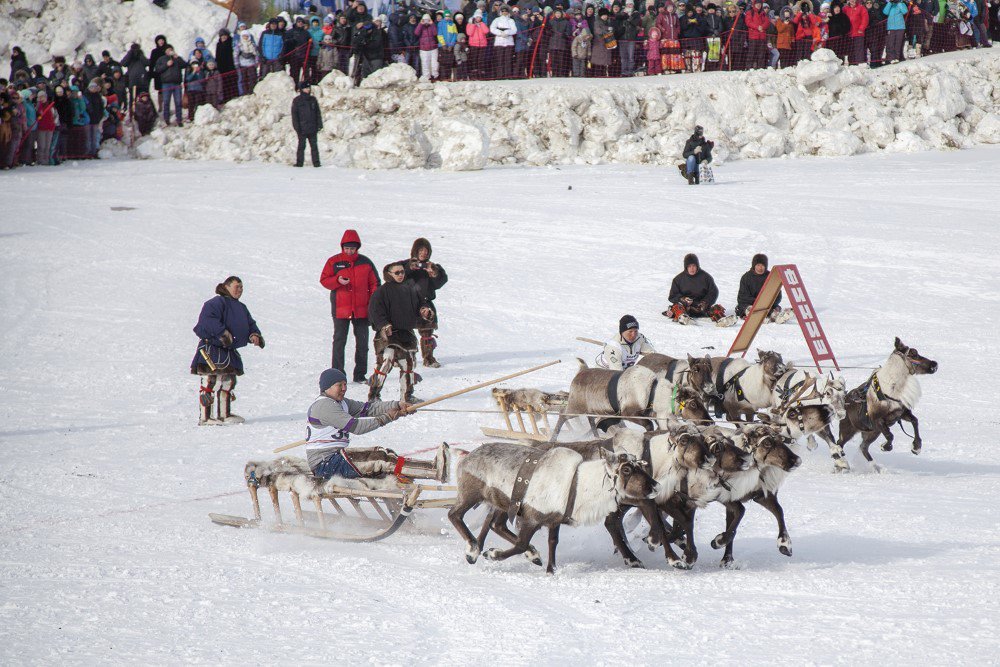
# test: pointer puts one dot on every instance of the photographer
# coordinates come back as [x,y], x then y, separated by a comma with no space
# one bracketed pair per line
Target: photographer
[428,277]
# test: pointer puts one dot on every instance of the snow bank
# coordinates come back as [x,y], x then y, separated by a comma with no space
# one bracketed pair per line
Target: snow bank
[73,28]
[820,107]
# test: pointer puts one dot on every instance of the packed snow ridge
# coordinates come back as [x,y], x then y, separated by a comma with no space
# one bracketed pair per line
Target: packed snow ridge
[73,28]
[819,107]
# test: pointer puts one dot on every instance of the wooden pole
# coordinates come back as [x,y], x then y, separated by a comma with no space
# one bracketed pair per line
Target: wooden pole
[453,394]
[590,340]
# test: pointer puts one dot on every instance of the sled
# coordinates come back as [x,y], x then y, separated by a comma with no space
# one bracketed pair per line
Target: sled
[512,403]
[372,514]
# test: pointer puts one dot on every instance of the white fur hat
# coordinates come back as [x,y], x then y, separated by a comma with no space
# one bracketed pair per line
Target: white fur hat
[425,17]
[478,14]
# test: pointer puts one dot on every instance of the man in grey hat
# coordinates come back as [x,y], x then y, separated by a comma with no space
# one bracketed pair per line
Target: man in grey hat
[333,418]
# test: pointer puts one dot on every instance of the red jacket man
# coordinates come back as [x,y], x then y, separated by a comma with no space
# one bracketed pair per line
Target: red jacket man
[858,16]
[352,279]
[757,21]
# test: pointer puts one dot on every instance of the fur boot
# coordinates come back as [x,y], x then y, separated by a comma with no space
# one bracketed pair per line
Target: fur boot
[206,398]
[224,399]
[428,341]
[678,313]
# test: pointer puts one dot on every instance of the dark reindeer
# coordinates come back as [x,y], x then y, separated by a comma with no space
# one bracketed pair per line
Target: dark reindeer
[887,397]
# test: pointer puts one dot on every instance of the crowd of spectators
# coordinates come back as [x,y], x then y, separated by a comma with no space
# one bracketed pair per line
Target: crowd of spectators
[69,112]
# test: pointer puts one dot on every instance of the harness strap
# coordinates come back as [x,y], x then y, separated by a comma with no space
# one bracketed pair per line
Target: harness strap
[571,498]
[652,395]
[720,376]
[612,392]
[734,382]
[524,473]
[671,367]
[647,455]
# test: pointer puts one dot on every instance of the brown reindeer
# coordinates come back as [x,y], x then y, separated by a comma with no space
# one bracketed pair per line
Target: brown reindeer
[887,397]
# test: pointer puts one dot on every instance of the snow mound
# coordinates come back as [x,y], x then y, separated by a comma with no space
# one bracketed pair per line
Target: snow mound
[819,107]
[73,28]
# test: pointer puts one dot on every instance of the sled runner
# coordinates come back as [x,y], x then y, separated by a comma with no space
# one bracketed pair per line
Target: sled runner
[365,509]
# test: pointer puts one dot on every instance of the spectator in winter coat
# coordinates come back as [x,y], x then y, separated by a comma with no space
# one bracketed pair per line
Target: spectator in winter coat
[316,38]
[786,36]
[352,279]
[668,23]
[504,30]
[200,52]
[214,82]
[580,50]
[462,57]
[626,27]
[80,117]
[144,113]
[396,309]
[107,66]
[307,120]
[327,60]
[225,65]
[247,59]
[426,34]
[46,119]
[839,30]
[654,64]
[712,22]
[750,285]
[18,61]
[858,17]
[559,36]
[522,42]
[170,69]
[89,68]
[194,88]
[95,112]
[271,46]
[447,35]
[600,55]
[224,326]
[59,75]
[693,294]
[428,277]
[696,150]
[895,11]
[623,351]
[137,66]
[159,50]
[757,24]
[477,32]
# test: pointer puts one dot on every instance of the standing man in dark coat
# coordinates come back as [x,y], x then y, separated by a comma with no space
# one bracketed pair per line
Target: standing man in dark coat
[693,294]
[295,46]
[170,68]
[396,309]
[307,121]
[429,278]
[159,50]
[750,286]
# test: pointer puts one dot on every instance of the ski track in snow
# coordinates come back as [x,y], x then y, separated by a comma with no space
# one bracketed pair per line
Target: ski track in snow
[106,551]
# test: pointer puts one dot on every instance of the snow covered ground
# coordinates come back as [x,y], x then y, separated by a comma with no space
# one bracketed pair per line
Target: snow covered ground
[106,551]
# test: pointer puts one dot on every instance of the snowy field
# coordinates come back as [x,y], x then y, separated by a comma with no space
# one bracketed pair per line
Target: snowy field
[106,551]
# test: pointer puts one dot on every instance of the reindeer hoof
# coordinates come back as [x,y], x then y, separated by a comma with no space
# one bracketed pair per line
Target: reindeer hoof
[720,541]
[691,558]
[841,467]
[916,449]
[878,468]
[472,556]
[635,562]
[678,564]
[887,447]
[491,554]
[533,556]
[550,570]
[728,564]
[785,546]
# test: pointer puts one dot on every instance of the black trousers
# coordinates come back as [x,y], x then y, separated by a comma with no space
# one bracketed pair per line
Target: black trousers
[300,152]
[361,329]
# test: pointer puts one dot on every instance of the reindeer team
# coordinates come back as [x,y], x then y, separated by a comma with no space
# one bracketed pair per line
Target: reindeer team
[683,461]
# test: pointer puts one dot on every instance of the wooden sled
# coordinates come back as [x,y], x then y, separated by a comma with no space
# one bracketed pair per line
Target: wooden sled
[520,402]
[373,514]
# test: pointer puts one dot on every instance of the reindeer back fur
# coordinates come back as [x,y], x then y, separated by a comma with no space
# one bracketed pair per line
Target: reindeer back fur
[588,392]
[896,381]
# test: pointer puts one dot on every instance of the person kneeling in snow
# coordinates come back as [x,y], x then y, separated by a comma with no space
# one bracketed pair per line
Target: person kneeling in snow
[623,351]
[333,418]
[224,326]
[697,151]
[693,294]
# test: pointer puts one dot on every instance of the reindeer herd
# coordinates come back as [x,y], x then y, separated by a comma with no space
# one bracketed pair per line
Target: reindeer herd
[683,460]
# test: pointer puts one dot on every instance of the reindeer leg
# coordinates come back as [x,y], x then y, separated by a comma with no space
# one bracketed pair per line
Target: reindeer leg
[847,431]
[255,500]
[738,511]
[559,424]
[734,514]
[457,517]
[500,528]
[613,524]
[867,438]
[771,504]
[522,545]
[485,530]
[274,503]
[683,524]
[884,430]
[917,442]
[297,506]
[553,543]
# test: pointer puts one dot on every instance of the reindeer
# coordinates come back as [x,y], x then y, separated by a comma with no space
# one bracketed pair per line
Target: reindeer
[626,394]
[694,373]
[563,489]
[768,462]
[805,404]
[742,388]
[887,397]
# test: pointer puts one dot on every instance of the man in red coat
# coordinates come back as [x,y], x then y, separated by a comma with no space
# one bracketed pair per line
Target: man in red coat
[858,16]
[757,25]
[352,279]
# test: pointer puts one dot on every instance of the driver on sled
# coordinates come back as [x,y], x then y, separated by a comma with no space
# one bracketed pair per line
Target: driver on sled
[623,351]
[333,418]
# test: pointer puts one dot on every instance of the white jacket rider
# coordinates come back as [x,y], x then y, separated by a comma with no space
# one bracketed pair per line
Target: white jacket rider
[623,351]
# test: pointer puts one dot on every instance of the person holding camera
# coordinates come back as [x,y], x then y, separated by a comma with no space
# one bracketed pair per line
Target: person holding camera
[352,280]
[427,40]
[428,278]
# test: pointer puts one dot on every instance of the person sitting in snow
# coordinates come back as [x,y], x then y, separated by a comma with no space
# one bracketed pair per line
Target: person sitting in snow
[623,351]
[697,150]
[750,286]
[333,418]
[693,294]
[224,326]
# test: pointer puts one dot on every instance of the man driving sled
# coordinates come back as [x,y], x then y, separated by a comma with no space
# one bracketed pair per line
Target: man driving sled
[333,418]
